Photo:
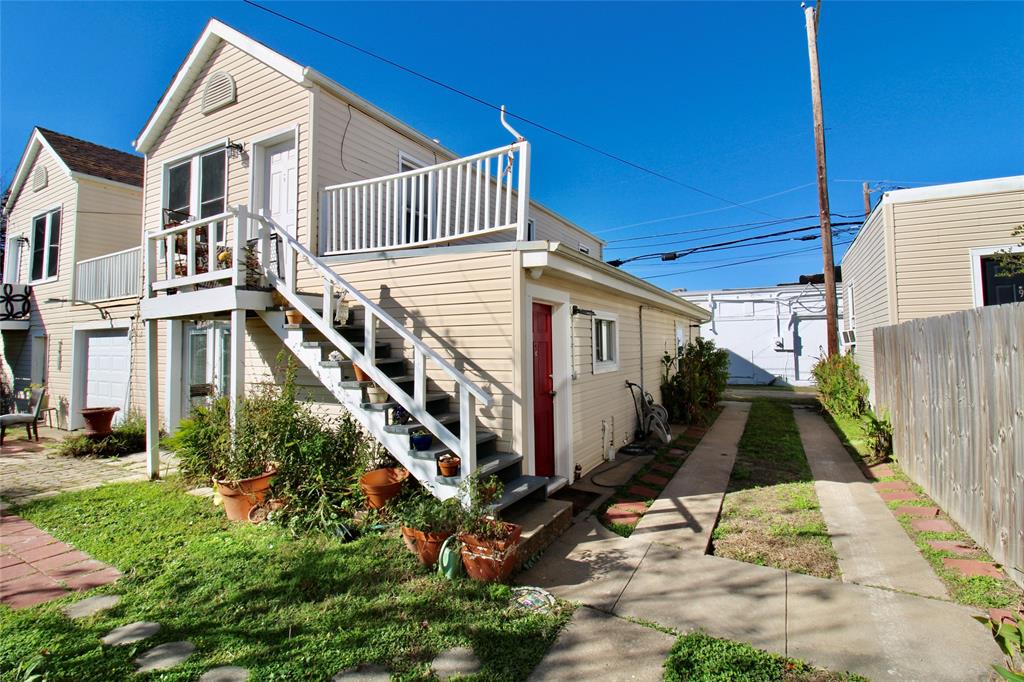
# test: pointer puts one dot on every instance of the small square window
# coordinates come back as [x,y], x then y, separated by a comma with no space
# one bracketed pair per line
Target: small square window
[606,343]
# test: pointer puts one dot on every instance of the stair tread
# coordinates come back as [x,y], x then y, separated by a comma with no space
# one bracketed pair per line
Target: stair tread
[485,466]
[441,448]
[431,397]
[520,488]
[400,379]
[447,418]
[346,362]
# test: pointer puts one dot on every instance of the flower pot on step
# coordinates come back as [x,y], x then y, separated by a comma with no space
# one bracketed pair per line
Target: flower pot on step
[450,465]
[380,485]
[293,317]
[426,546]
[360,374]
[97,421]
[421,441]
[239,497]
[376,394]
[490,560]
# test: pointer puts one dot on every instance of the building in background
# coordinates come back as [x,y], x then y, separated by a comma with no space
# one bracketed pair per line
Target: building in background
[774,335]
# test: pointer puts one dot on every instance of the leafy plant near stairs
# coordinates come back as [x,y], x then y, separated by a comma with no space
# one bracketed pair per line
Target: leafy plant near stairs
[1009,634]
[693,381]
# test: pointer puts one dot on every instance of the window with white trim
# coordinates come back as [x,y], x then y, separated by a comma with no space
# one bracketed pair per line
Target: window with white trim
[45,246]
[605,342]
[194,188]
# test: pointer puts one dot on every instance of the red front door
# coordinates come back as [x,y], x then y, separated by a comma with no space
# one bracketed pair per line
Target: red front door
[543,393]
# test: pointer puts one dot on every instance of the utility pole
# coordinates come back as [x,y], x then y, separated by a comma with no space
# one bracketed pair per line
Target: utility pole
[867,201]
[831,313]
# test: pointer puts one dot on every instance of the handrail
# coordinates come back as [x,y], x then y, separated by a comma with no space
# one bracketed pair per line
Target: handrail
[110,276]
[160,232]
[437,166]
[378,312]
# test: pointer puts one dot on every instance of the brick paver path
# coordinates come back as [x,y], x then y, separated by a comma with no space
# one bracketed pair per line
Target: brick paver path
[35,567]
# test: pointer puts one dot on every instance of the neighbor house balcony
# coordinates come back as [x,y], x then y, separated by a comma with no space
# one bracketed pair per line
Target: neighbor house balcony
[15,305]
[466,198]
[109,277]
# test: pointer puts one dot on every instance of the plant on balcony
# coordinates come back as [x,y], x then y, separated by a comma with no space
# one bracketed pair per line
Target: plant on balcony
[488,543]
[426,522]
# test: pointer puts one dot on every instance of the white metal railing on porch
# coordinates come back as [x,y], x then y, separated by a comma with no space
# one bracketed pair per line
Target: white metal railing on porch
[197,253]
[467,197]
[114,275]
[463,445]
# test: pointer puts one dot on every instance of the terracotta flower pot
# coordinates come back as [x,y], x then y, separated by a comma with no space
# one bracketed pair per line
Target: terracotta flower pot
[380,485]
[97,421]
[239,497]
[293,317]
[426,546]
[490,560]
[450,467]
[360,374]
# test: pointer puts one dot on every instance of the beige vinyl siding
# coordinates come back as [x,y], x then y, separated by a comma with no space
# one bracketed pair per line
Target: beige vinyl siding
[551,228]
[933,240]
[109,219]
[864,267]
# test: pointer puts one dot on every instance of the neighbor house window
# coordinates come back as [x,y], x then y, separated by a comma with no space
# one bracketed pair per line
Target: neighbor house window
[997,286]
[45,246]
[606,343]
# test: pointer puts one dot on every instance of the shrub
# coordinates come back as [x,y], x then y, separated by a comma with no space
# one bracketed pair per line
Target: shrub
[694,380]
[841,388]
[126,438]
[426,513]
[697,656]
[878,433]
[200,439]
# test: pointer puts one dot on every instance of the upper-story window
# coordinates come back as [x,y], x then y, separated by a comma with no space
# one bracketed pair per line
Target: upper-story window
[45,246]
[606,342]
[196,187]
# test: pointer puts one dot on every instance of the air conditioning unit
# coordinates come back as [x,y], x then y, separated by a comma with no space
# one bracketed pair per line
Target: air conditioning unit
[849,337]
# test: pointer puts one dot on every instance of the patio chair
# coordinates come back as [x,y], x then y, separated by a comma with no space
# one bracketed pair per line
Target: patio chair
[30,419]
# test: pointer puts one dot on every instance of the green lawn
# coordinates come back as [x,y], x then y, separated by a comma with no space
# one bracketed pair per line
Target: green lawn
[771,514]
[286,608]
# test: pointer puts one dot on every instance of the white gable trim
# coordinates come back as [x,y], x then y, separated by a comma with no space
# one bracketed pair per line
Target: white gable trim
[213,34]
[35,143]
[1013,183]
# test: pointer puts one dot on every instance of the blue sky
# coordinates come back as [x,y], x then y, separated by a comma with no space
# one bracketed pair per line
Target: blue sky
[715,95]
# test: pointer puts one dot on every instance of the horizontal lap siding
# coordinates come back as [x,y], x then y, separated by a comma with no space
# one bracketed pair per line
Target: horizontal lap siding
[864,268]
[933,240]
[109,219]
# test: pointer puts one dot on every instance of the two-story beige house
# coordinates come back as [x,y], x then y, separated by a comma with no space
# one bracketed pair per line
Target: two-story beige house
[928,251]
[72,274]
[487,318]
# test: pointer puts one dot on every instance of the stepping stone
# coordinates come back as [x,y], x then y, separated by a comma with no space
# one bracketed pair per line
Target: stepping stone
[677,452]
[225,673]
[881,471]
[892,485]
[91,606]
[456,662]
[1003,616]
[898,495]
[370,672]
[971,567]
[665,468]
[654,479]
[952,546]
[164,656]
[643,492]
[638,508]
[623,517]
[920,512]
[932,525]
[131,633]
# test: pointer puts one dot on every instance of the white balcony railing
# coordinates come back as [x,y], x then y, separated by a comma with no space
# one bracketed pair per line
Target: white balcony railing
[200,253]
[467,197]
[115,275]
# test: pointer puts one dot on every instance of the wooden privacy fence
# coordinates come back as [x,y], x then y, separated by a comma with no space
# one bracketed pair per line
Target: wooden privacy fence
[954,387]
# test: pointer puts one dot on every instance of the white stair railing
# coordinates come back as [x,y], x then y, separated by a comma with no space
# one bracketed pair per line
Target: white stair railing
[463,445]
[457,199]
[196,253]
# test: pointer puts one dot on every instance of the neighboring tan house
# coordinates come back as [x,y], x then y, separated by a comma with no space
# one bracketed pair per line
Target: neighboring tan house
[488,318]
[928,251]
[774,335]
[72,273]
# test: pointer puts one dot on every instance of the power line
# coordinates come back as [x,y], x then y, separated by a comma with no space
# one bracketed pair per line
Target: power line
[744,262]
[741,227]
[495,107]
[687,241]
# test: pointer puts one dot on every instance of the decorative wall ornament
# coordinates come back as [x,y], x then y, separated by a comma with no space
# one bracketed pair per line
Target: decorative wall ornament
[15,302]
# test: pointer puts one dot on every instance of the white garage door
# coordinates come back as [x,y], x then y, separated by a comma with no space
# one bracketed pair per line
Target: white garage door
[106,371]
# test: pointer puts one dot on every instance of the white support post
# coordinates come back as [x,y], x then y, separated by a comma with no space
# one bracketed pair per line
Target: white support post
[151,261]
[369,336]
[264,233]
[467,430]
[175,357]
[419,386]
[152,402]
[237,388]
[328,303]
[240,233]
[523,195]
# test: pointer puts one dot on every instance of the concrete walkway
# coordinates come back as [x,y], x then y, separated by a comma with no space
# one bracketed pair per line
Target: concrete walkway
[872,547]
[878,633]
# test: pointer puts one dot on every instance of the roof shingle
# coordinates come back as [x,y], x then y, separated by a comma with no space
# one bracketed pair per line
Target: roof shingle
[96,160]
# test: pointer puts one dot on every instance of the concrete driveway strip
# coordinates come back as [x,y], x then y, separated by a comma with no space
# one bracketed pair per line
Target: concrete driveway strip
[599,646]
[686,511]
[872,547]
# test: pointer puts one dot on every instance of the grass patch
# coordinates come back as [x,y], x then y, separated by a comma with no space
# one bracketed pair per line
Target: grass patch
[979,591]
[697,657]
[286,608]
[771,514]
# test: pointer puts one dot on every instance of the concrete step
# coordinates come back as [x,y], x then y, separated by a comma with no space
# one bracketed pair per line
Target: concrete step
[381,350]
[446,419]
[393,367]
[435,401]
[487,465]
[438,449]
[522,488]
[400,380]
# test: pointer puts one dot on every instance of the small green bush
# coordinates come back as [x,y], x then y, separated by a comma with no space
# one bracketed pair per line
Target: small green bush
[126,438]
[841,388]
[697,656]
[878,434]
[426,513]
[693,381]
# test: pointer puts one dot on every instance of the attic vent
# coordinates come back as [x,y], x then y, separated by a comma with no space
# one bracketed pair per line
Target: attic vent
[39,179]
[219,92]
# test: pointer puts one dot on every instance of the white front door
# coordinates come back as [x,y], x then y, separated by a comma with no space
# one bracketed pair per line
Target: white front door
[280,178]
[107,375]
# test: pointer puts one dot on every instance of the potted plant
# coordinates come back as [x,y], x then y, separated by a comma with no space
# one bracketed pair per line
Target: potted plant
[98,420]
[380,485]
[293,316]
[278,299]
[421,439]
[449,464]
[488,543]
[376,394]
[360,374]
[426,523]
